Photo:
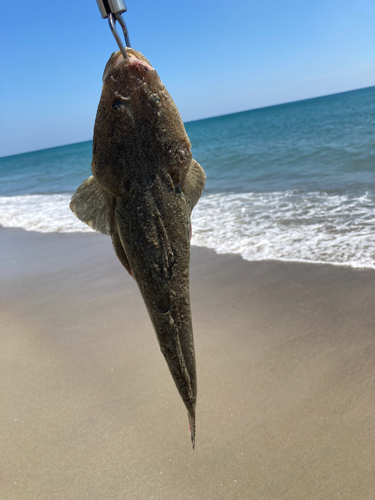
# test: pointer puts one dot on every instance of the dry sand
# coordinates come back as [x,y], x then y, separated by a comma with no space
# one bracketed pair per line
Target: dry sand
[286,375]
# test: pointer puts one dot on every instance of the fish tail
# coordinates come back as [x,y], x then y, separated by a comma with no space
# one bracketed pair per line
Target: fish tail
[191,417]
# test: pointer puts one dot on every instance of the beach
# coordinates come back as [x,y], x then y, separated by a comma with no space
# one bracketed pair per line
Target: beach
[286,374]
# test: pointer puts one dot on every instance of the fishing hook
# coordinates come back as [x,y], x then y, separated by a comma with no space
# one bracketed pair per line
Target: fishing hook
[112,9]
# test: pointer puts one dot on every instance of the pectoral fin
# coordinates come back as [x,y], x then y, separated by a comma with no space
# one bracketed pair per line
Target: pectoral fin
[194,184]
[94,206]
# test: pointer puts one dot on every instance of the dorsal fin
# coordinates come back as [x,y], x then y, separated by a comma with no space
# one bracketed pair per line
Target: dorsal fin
[194,184]
[93,205]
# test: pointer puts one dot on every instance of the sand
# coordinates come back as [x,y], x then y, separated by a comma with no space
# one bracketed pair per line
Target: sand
[286,375]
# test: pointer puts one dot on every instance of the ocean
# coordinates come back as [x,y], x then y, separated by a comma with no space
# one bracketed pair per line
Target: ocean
[292,182]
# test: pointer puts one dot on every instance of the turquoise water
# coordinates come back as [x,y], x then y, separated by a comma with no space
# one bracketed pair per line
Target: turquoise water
[290,182]
[318,144]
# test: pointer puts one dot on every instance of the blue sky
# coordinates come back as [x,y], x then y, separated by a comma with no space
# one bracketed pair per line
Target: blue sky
[215,57]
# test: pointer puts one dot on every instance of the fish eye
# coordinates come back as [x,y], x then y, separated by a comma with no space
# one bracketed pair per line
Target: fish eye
[154,100]
[118,104]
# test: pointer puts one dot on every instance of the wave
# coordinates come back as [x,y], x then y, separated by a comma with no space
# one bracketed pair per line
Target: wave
[40,212]
[316,227]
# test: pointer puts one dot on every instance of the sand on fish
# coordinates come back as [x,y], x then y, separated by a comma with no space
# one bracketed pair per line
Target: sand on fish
[286,378]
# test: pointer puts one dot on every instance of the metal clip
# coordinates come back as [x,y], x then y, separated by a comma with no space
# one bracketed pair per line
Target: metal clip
[112,9]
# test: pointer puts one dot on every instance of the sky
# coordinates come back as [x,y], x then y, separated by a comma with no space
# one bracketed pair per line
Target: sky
[215,57]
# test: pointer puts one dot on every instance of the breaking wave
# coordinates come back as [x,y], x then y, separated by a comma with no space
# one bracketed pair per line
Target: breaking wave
[291,226]
[317,227]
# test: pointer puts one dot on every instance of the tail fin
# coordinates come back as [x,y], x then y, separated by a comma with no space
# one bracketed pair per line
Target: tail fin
[191,417]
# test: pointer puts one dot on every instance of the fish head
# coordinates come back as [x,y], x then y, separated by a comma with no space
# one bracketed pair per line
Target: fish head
[138,129]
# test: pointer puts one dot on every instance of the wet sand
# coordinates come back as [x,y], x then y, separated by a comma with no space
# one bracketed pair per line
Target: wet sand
[286,379]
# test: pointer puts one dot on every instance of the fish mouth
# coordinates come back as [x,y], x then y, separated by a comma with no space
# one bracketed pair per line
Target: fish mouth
[135,62]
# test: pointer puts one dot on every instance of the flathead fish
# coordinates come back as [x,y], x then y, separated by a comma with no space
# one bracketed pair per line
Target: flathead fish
[144,186]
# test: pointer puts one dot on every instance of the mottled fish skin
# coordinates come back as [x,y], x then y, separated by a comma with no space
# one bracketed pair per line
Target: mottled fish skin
[144,186]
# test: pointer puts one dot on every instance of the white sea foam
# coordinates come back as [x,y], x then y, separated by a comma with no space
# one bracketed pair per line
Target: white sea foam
[291,226]
[288,225]
[40,212]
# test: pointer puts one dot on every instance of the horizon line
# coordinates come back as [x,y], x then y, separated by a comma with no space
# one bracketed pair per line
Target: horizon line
[206,118]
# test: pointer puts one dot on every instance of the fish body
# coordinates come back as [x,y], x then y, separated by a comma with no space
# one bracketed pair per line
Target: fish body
[143,189]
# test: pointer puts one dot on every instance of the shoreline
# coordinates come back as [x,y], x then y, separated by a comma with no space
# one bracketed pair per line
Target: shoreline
[204,248]
[285,359]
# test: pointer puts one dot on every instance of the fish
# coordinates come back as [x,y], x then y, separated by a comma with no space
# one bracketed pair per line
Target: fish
[144,186]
